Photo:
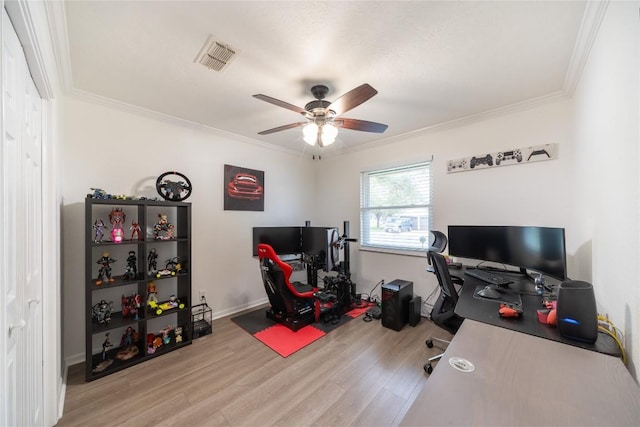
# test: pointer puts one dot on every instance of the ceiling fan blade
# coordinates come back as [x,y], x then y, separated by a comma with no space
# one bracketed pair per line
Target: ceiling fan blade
[362,125]
[352,99]
[281,128]
[282,104]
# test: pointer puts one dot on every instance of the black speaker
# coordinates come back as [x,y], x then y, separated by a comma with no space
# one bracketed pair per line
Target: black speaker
[395,303]
[415,310]
[577,312]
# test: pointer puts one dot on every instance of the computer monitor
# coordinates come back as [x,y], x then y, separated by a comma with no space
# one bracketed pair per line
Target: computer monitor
[320,242]
[283,240]
[540,249]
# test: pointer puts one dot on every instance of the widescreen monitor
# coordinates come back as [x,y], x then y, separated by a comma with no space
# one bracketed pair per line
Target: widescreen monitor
[540,249]
[283,240]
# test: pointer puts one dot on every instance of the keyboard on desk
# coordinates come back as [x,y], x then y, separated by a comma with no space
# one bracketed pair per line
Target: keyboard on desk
[488,277]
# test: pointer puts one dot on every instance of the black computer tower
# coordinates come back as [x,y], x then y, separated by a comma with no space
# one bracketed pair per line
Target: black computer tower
[395,303]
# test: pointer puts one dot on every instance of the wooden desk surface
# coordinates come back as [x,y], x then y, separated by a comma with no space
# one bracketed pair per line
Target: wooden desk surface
[521,379]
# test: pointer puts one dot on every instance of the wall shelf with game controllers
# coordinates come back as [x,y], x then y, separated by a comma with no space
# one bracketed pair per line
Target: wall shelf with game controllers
[517,156]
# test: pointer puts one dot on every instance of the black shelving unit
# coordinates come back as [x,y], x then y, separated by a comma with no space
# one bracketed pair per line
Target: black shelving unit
[151,334]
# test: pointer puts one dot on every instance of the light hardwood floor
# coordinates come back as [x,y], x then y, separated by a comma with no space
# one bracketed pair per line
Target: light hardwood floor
[361,374]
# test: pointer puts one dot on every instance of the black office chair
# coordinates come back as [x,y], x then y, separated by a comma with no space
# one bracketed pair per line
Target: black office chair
[443,313]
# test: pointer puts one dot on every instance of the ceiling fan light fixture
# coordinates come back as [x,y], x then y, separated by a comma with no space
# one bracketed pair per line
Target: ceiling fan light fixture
[310,133]
[321,115]
[329,133]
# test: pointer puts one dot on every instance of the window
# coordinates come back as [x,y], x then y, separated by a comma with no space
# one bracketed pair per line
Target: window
[395,207]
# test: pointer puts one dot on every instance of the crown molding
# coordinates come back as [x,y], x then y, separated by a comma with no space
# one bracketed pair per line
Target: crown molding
[591,20]
[57,18]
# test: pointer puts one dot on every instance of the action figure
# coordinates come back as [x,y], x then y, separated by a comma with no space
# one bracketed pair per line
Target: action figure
[152,293]
[152,259]
[105,268]
[98,230]
[137,300]
[105,347]
[106,361]
[128,337]
[163,230]
[135,230]
[150,345]
[132,267]
[117,217]
[166,335]
[101,311]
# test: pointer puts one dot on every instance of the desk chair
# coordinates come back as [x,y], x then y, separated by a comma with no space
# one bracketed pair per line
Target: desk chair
[443,313]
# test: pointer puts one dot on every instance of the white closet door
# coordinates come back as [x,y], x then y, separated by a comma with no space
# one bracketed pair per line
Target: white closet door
[21,256]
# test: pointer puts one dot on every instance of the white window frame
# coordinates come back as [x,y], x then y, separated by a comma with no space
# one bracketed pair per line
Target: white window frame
[413,243]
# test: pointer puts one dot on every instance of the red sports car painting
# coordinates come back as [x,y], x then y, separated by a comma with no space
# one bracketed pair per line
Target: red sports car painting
[243,189]
[244,186]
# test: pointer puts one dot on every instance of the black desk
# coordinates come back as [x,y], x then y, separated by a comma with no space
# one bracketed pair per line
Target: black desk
[486,311]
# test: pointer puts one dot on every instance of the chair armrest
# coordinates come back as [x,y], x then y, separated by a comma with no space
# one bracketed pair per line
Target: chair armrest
[457,280]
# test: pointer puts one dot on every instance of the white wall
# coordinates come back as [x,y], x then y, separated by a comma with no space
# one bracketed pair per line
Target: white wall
[605,213]
[523,194]
[124,152]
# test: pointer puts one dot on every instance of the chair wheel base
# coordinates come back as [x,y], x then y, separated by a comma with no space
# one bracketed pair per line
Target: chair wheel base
[428,368]
[429,343]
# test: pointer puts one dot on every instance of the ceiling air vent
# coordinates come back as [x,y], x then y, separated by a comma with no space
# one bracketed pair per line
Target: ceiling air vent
[215,55]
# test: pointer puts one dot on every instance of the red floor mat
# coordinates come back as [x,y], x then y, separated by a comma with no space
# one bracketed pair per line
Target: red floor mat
[285,342]
[355,312]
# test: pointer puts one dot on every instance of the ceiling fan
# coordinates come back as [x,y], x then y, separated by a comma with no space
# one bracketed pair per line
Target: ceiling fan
[323,116]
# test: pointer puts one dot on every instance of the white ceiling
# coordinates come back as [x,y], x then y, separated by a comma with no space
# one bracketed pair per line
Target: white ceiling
[431,62]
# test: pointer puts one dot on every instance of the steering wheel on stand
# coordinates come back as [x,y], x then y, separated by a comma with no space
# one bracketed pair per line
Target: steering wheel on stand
[173,186]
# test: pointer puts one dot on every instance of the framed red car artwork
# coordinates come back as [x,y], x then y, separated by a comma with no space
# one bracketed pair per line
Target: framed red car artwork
[244,189]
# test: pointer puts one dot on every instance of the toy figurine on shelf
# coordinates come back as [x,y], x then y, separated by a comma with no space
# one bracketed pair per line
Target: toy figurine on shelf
[128,349]
[135,230]
[132,267]
[106,361]
[99,193]
[117,217]
[137,301]
[152,292]
[150,348]
[98,230]
[178,332]
[128,337]
[131,305]
[101,311]
[163,230]
[105,268]
[152,260]
[176,265]
[157,343]
[166,335]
